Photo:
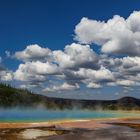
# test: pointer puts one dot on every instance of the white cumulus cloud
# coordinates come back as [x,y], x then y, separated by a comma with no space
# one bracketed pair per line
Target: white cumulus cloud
[63,87]
[116,36]
[33,52]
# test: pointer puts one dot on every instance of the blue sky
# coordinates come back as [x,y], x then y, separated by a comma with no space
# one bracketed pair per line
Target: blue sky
[51,24]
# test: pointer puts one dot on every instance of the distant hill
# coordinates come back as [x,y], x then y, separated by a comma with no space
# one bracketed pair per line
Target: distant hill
[13,97]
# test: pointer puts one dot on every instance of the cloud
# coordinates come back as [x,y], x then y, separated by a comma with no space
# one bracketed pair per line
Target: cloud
[75,56]
[33,52]
[57,66]
[115,36]
[125,70]
[27,86]
[128,67]
[131,64]
[6,75]
[35,71]
[8,54]
[78,64]
[93,85]
[100,75]
[134,21]
[127,83]
[63,87]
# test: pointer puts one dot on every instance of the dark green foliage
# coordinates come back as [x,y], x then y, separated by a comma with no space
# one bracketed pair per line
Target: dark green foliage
[13,97]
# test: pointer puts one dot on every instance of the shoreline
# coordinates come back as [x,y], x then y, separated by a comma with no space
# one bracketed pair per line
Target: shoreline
[67,122]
